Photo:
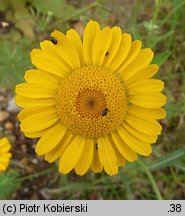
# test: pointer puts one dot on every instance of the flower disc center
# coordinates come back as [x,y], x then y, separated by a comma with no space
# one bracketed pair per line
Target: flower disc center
[91,101]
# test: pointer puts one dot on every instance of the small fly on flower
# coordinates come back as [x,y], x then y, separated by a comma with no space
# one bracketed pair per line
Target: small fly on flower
[97,147]
[53,40]
[105,111]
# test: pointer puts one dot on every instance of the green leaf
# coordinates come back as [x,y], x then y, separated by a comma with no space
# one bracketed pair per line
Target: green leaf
[161,58]
[7,183]
[3,5]
[14,61]
[175,109]
[163,37]
[23,19]
[55,7]
[181,166]
[168,160]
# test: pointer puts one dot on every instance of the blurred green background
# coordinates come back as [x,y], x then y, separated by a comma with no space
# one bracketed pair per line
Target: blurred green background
[160,25]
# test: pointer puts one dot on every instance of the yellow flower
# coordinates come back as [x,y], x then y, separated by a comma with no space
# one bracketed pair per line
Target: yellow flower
[5,155]
[92,103]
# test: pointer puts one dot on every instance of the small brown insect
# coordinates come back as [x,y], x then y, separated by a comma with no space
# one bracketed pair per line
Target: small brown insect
[106,53]
[105,111]
[96,147]
[53,40]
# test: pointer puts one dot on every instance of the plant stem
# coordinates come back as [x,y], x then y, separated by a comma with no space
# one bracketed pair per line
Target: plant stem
[81,11]
[135,13]
[34,175]
[151,179]
[153,21]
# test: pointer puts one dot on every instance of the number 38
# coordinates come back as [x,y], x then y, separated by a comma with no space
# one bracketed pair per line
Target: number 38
[175,207]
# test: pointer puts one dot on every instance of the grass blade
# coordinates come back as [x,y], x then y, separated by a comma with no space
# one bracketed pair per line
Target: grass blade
[168,160]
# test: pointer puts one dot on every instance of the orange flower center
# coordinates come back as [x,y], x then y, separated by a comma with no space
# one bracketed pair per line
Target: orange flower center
[91,102]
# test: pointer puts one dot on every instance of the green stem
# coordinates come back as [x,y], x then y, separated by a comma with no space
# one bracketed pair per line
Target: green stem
[171,12]
[153,21]
[135,12]
[151,179]
[35,175]
[79,12]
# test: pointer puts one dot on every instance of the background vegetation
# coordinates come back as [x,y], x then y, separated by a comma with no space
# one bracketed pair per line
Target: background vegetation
[160,25]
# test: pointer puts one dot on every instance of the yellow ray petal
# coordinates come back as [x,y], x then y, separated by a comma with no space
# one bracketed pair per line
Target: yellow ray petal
[122,52]
[39,77]
[119,156]
[96,166]
[101,45]
[133,52]
[58,151]
[107,156]
[148,126]
[124,149]
[134,143]
[114,46]
[145,113]
[3,141]
[90,32]
[5,157]
[143,137]
[39,121]
[31,102]
[143,59]
[72,154]
[44,61]
[50,139]
[148,100]
[36,134]
[36,91]
[28,112]
[66,50]
[4,145]
[145,73]
[5,148]
[3,166]
[75,39]
[151,85]
[52,50]
[86,157]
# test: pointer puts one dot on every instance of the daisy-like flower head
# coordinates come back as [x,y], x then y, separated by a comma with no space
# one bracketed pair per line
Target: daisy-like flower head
[91,101]
[5,155]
